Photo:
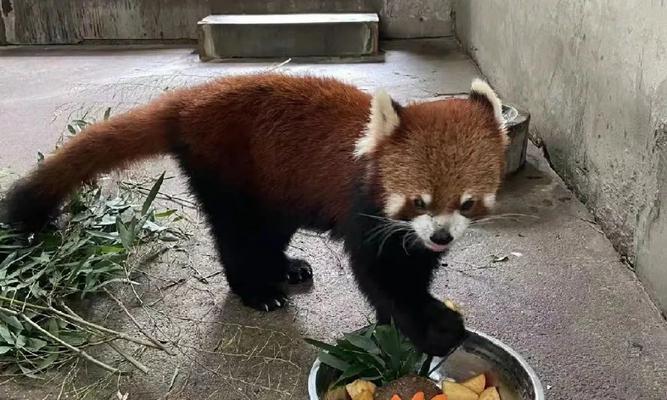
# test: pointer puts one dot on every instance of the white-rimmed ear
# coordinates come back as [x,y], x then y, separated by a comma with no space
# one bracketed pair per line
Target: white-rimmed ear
[382,123]
[481,91]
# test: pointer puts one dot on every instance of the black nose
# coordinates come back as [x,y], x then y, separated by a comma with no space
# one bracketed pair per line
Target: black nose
[441,237]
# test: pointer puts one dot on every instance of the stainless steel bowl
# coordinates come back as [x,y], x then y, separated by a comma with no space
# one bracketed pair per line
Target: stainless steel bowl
[516,121]
[504,368]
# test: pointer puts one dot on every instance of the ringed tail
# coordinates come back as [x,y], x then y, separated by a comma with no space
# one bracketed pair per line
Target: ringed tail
[101,147]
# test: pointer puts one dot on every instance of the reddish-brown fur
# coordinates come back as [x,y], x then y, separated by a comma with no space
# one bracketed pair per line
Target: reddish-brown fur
[290,141]
[444,148]
[268,154]
[287,140]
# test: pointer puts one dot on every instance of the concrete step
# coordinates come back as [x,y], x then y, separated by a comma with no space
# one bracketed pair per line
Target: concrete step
[288,35]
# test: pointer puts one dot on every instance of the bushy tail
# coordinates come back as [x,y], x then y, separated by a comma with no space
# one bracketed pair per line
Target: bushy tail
[100,148]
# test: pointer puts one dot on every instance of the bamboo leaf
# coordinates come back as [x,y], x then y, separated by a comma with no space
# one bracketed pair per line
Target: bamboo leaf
[11,321]
[363,342]
[124,234]
[6,335]
[333,361]
[152,194]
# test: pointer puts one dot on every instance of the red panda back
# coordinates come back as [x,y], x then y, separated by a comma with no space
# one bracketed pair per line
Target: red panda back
[287,140]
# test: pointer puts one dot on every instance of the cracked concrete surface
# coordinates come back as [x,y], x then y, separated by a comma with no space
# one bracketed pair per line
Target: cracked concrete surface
[562,299]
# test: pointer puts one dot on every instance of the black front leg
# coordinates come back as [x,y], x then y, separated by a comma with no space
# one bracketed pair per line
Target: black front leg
[396,281]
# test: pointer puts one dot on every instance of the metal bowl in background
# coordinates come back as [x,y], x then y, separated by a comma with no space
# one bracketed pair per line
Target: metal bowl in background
[504,368]
[516,121]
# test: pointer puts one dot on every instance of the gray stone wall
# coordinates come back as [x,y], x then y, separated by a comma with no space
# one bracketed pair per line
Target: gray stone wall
[594,76]
[74,21]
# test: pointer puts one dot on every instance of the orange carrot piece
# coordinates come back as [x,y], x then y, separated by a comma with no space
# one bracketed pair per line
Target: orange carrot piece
[418,396]
[395,397]
[440,397]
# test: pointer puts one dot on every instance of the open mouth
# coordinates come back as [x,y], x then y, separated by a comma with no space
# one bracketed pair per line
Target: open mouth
[439,248]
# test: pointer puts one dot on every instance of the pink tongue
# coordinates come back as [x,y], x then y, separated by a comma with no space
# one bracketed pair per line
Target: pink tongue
[436,247]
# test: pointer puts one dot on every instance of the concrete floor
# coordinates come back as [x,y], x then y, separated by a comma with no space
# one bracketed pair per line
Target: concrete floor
[563,299]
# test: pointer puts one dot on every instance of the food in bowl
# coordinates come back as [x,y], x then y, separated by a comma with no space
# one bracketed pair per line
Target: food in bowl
[378,363]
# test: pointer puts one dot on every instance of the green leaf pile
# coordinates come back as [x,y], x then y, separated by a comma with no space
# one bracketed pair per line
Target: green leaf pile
[377,353]
[81,256]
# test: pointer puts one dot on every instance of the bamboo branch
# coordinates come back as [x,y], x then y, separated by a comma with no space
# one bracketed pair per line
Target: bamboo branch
[76,350]
[138,325]
[74,317]
[129,358]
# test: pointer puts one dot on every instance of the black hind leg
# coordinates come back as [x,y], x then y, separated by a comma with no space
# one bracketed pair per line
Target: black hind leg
[251,242]
[252,246]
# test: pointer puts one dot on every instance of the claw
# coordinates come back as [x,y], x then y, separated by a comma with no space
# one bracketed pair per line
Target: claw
[266,307]
[278,303]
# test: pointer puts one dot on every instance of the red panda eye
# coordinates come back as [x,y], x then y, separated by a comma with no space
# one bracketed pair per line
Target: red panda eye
[419,203]
[467,205]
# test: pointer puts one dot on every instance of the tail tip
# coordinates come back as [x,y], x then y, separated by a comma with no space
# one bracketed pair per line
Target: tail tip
[26,208]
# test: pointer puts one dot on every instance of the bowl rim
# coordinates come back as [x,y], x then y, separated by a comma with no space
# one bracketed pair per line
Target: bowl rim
[534,379]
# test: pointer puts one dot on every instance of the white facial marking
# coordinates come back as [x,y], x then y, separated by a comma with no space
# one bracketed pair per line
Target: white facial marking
[465,197]
[425,225]
[427,199]
[382,122]
[489,200]
[393,204]
[458,225]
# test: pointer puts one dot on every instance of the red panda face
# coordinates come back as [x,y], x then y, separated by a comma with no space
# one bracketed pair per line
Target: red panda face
[439,163]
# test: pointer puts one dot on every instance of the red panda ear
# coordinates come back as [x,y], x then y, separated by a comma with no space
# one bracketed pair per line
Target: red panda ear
[481,91]
[382,122]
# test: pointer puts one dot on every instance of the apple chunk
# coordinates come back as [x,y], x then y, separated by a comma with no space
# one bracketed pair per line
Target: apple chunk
[489,393]
[456,391]
[476,383]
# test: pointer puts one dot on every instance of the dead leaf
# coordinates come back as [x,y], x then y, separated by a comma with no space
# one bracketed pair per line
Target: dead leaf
[497,259]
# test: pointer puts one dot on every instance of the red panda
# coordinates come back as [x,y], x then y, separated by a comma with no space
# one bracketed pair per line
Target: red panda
[268,154]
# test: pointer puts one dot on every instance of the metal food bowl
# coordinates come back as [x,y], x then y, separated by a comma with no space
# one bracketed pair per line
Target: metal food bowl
[516,121]
[504,368]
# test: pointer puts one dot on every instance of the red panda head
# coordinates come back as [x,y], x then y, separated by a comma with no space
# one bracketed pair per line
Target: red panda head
[439,164]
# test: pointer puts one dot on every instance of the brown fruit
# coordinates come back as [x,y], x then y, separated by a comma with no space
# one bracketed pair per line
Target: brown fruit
[338,393]
[406,387]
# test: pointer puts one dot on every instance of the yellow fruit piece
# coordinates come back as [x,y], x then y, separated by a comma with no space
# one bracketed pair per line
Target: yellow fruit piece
[358,387]
[338,393]
[490,393]
[476,383]
[456,391]
[365,395]
[452,306]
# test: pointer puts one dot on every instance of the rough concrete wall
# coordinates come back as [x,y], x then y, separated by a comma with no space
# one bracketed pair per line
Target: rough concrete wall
[594,76]
[71,21]
[652,243]
[3,39]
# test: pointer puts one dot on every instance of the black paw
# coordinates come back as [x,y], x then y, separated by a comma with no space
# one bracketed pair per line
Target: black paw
[264,299]
[298,271]
[435,329]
